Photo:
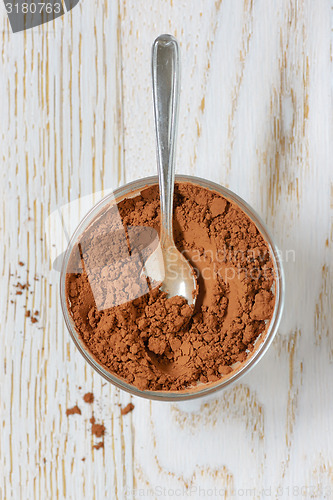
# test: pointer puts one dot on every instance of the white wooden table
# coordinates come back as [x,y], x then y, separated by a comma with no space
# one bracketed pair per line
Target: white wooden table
[77,118]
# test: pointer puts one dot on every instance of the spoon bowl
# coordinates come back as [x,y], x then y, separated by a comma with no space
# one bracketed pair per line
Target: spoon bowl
[168,267]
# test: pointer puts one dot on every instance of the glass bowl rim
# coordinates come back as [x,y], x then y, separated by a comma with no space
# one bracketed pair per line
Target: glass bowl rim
[136,186]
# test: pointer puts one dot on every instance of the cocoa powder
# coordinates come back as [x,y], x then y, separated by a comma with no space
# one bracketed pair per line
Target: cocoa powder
[73,411]
[160,343]
[97,429]
[127,409]
[99,445]
[88,397]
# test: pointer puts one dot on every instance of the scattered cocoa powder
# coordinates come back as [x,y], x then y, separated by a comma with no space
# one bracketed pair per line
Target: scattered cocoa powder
[73,411]
[22,286]
[99,445]
[88,398]
[160,343]
[128,408]
[28,314]
[97,429]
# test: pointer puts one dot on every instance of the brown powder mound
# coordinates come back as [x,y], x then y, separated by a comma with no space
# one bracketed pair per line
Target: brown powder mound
[263,305]
[88,398]
[160,343]
[128,408]
[73,411]
[97,429]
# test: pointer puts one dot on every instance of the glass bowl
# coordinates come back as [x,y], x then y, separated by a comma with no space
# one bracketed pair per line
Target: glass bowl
[263,341]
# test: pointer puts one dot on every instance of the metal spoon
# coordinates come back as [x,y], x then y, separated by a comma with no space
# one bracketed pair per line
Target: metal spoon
[167,264]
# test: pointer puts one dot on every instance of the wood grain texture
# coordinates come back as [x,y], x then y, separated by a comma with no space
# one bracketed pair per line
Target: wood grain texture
[77,121]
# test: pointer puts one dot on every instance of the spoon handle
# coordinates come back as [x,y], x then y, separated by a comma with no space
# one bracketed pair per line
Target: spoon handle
[165,73]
